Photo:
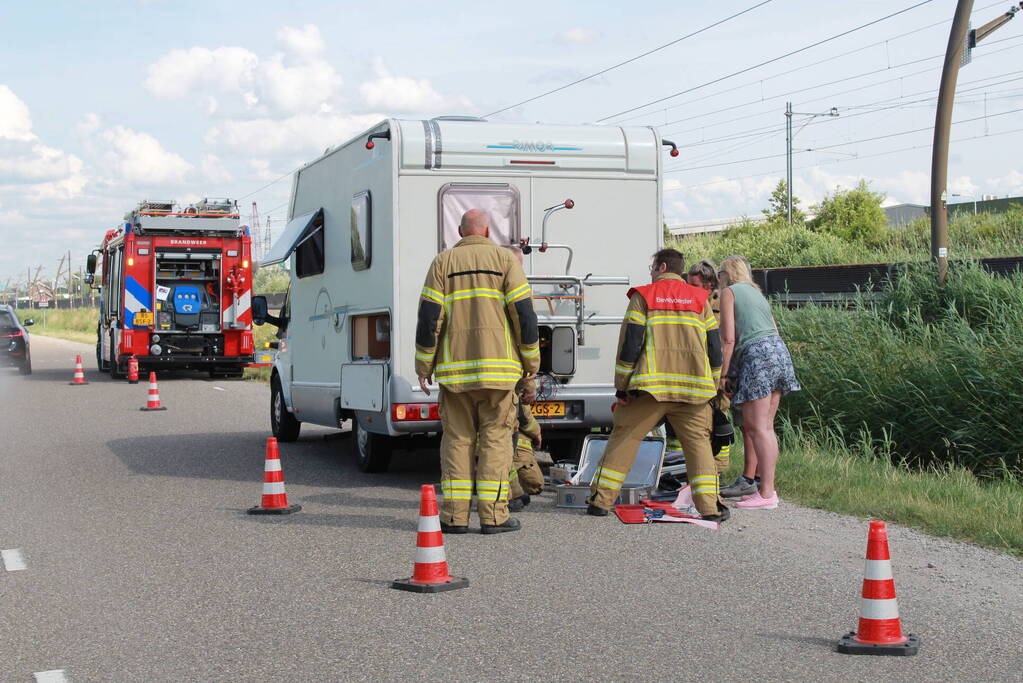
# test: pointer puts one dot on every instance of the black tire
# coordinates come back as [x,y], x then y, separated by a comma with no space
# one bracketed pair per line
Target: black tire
[100,365]
[372,451]
[115,365]
[282,423]
[26,367]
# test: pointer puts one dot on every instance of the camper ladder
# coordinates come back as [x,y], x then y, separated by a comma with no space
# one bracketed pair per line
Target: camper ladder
[572,289]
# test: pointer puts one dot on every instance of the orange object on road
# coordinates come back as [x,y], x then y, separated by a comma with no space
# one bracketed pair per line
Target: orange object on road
[880,629]
[430,571]
[153,403]
[275,500]
[79,378]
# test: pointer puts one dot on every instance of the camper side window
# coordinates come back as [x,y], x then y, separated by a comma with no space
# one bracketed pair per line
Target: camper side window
[309,254]
[499,200]
[362,225]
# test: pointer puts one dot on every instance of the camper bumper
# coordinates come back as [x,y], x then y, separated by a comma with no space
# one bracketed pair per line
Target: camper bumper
[196,361]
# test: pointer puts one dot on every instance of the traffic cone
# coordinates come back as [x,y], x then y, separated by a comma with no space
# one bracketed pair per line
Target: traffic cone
[880,630]
[79,378]
[275,500]
[154,395]
[430,571]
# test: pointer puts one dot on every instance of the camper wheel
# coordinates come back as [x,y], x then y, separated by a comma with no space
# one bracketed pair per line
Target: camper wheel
[372,451]
[283,424]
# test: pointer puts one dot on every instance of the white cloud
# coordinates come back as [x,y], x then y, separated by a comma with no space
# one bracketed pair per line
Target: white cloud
[213,169]
[181,73]
[89,124]
[578,36]
[29,168]
[304,42]
[138,158]
[1009,184]
[401,94]
[301,133]
[15,120]
[296,80]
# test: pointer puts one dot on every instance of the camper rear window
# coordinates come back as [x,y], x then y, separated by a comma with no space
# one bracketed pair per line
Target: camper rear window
[309,254]
[362,224]
[499,200]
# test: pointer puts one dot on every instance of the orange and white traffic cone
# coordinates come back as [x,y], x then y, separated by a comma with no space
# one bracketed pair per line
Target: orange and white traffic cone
[79,378]
[880,631]
[430,571]
[154,395]
[275,500]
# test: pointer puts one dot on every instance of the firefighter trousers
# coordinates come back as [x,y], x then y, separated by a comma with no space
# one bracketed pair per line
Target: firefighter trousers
[526,475]
[477,426]
[692,424]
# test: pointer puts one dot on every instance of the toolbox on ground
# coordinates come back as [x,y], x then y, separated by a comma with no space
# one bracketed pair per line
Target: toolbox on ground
[640,482]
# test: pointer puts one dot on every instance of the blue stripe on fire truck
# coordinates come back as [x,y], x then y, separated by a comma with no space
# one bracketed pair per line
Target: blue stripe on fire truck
[142,296]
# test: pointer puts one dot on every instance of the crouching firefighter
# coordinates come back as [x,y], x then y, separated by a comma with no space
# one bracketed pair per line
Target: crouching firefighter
[477,333]
[526,477]
[668,364]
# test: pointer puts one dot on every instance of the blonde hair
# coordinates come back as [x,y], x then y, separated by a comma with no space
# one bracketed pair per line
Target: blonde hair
[738,270]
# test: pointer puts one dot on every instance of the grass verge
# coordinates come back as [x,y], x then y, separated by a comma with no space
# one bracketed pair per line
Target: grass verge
[821,471]
[75,325]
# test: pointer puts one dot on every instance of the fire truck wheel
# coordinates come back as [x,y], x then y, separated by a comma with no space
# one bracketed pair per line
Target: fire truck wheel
[115,364]
[282,423]
[100,365]
[372,451]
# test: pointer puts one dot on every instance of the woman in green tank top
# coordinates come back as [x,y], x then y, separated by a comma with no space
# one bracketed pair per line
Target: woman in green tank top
[756,372]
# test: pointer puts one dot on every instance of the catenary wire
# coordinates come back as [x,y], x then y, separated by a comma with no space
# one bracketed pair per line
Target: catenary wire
[627,61]
[763,63]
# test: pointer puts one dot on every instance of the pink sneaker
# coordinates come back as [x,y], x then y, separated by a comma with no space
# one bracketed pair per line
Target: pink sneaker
[758,502]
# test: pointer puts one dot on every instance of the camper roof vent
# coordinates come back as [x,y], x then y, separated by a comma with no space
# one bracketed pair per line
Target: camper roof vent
[474,119]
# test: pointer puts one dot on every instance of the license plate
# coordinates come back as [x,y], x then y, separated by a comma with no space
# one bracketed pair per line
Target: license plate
[548,409]
[267,358]
[143,319]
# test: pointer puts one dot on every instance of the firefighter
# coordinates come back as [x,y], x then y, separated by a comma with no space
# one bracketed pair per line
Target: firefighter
[477,333]
[667,366]
[526,477]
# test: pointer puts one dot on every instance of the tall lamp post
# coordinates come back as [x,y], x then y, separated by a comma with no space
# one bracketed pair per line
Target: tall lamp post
[789,135]
[960,40]
[967,194]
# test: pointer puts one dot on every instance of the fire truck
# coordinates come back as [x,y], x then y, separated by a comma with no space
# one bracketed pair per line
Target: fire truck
[176,289]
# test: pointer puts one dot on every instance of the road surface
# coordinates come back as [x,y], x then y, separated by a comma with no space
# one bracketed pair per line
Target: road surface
[140,565]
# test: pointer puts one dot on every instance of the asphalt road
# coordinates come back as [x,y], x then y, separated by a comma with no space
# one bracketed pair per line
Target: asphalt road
[140,565]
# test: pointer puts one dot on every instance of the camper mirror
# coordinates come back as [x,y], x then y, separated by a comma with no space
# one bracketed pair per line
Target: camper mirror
[563,351]
[259,310]
[90,264]
[89,278]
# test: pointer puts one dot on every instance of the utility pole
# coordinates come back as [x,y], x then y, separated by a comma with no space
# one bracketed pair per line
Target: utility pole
[960,39]
[789,135]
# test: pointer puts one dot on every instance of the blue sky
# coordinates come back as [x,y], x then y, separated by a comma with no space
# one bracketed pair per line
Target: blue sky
[102,104]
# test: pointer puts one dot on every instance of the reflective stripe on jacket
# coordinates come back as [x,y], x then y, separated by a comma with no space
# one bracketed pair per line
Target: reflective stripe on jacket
[477,328]
[669,344]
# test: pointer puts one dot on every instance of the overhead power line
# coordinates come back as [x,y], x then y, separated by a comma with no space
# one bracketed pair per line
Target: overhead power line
[765,62]
[628,61]
[843,144]
[838,161]
[810,65]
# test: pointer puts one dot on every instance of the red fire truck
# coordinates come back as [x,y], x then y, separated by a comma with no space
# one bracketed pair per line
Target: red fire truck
[176,289]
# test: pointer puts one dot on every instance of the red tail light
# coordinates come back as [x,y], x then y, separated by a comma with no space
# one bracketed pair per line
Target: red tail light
[413,412]
[12,336]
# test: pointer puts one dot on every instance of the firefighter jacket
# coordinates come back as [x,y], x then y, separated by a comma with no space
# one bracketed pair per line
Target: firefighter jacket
[477,328]
[669,346]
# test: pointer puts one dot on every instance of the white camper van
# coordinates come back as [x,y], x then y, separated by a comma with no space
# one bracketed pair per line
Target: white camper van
[366,219]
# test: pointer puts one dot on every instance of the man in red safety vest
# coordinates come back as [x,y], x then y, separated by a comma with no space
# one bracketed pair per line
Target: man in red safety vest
[667,366]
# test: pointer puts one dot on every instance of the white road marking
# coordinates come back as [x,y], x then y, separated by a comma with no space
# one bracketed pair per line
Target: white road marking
[13,559]
[219,388]
[52,676]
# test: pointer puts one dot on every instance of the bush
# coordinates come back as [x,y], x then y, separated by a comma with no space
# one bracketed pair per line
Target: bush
[853,215]
[933,372]
[271,279]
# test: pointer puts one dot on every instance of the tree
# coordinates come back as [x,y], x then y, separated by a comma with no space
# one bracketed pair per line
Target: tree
[777,207]
[854,215]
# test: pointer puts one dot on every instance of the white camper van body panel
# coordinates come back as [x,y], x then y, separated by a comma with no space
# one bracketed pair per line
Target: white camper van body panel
[612,174]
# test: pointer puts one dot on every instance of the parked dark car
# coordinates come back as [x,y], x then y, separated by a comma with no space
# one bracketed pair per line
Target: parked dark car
[14,344]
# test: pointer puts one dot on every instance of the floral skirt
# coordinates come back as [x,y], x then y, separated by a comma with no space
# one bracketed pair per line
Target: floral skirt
[763,366]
